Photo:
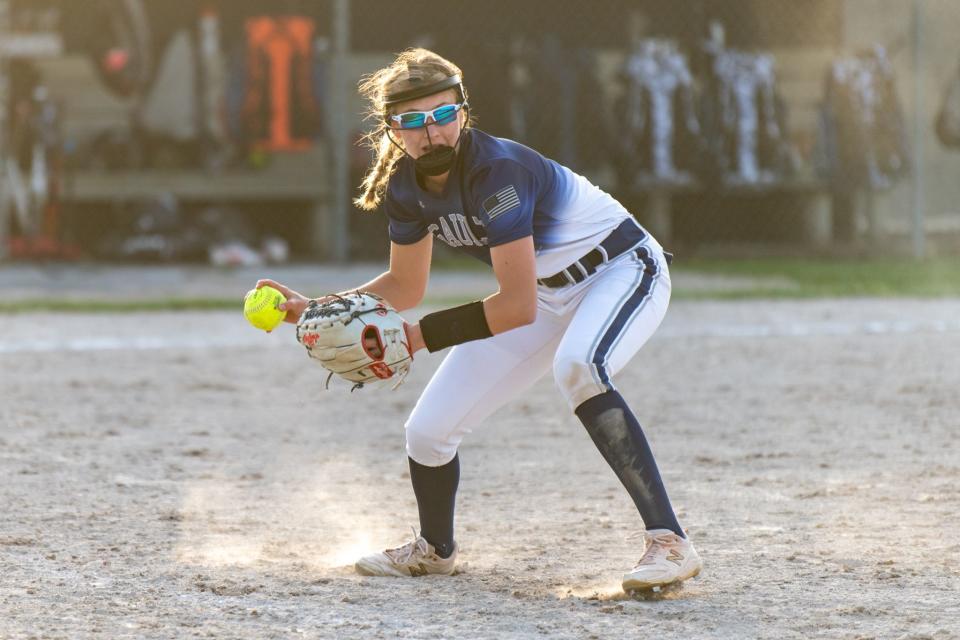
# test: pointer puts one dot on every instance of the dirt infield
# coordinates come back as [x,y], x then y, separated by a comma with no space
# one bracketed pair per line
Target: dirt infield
[181,475]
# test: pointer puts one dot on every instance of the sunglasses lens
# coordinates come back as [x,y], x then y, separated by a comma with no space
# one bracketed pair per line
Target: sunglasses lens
[411,120]
[445,114]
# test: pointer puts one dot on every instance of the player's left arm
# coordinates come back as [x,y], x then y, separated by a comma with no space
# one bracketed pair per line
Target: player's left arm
[515,304]
[504,194]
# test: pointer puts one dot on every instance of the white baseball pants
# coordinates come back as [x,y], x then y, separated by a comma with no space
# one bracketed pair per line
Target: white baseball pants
[586,333]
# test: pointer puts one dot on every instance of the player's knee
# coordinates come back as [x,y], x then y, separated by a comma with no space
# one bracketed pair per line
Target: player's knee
[575,378]
[428,448]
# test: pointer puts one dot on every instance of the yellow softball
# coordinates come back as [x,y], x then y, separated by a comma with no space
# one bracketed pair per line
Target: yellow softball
[260,308]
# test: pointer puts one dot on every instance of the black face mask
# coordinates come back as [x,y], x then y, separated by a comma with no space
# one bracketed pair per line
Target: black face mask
[437,161]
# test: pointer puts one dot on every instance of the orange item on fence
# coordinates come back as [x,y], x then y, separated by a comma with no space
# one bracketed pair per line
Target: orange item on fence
[280,110]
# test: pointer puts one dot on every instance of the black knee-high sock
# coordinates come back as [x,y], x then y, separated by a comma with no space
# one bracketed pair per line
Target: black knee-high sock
[620,438]
[436,491]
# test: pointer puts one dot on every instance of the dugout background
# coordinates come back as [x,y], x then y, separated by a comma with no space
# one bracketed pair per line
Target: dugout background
[560,65]
[807,210]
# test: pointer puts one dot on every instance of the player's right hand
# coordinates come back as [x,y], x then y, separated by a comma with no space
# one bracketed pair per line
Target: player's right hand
[295,303]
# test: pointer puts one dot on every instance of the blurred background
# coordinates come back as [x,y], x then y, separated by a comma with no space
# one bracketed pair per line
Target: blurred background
[225,131]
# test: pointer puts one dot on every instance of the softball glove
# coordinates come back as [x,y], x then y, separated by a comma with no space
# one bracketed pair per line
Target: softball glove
[358,337]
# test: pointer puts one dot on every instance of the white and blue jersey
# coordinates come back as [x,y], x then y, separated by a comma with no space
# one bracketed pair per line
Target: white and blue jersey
[499,191]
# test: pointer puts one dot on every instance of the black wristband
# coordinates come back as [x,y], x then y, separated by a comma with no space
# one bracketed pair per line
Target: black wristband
[454,326]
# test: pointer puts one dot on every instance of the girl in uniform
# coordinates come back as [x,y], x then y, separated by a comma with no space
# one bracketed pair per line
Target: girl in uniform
[582,286]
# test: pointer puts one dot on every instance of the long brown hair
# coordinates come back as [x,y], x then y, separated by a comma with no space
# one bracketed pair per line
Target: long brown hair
[424,66]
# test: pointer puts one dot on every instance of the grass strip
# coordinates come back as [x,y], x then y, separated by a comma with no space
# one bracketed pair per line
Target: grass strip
[831,278]
[766,278]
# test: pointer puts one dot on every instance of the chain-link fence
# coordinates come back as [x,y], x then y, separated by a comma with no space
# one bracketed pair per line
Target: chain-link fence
[746,121]
[759,123]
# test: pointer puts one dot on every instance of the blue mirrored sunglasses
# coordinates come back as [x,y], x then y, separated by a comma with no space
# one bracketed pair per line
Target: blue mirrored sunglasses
[416,119]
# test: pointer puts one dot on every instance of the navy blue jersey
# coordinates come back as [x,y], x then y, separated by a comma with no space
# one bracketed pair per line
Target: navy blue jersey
[499,191]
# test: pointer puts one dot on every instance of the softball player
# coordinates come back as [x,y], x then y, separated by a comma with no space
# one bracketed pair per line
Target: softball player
[582,286]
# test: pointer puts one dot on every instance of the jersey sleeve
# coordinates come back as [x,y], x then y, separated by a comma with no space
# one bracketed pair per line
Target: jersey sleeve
[505,194]
[404,227]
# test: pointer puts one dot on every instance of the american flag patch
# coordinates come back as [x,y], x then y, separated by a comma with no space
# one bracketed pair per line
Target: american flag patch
[501,202]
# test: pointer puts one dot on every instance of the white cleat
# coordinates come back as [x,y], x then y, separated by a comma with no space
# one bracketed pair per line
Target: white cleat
[668,559]
[414,559]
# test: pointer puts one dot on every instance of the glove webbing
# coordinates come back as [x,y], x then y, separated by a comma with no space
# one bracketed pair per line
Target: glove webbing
[327,309]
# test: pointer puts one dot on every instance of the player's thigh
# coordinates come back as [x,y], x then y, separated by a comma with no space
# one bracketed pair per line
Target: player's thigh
[476,379]
[616,317]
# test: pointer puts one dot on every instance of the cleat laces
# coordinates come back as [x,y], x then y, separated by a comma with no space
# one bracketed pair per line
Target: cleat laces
[403,554]
[654,544]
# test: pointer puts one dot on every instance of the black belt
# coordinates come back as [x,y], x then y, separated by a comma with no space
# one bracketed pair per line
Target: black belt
[625,237]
